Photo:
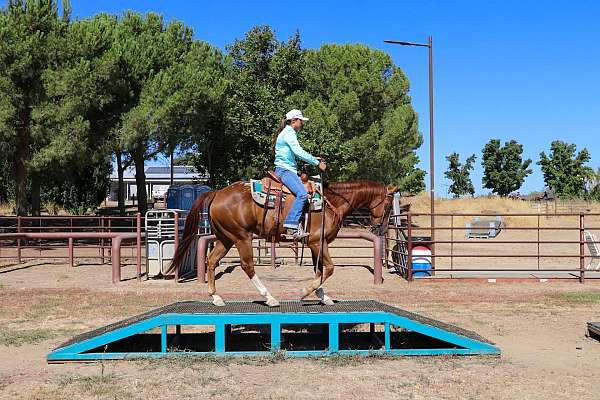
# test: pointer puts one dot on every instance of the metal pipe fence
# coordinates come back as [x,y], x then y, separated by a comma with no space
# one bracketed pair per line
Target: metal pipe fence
[527,246]
[26,248]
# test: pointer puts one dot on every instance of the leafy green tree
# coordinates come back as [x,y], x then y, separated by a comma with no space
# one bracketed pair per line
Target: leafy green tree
[85,98]
[503,167]
[565,170]
[143,46]
[361,118]
[185,104]
[369,129]
[459,174]
[30,38]
[255,101]
[6,174]
[79,189]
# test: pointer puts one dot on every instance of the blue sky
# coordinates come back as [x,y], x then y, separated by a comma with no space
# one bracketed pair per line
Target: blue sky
[523,70]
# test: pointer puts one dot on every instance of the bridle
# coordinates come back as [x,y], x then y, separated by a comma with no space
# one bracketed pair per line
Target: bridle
[379,228]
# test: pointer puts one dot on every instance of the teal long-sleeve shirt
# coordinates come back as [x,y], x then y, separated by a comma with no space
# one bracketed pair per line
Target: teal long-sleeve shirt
[287,149]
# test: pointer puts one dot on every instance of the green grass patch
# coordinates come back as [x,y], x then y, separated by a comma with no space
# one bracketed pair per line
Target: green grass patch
[18,337]
[578,297]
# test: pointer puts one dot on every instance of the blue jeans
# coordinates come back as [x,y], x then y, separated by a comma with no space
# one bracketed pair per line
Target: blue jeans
[293,182]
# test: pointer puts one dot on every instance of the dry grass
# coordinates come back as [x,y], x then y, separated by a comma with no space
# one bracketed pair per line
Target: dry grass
[486,205]
[48,208]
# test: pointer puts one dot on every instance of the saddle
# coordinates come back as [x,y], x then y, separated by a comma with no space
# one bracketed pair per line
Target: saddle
[270,192]
[267,189]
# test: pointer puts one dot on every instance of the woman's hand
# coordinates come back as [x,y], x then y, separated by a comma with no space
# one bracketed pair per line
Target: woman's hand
[322,164]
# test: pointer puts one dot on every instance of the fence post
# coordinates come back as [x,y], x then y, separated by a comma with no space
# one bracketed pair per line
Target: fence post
[115,255]
[538,255]
[71,252]
[409,249]
[176,244]
[18,240]
[110,230]
[581,249]
[139,246]
[452,242]
[102,229]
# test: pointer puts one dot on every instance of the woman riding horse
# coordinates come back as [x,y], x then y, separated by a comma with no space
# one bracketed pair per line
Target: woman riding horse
[287,149]
[235,219]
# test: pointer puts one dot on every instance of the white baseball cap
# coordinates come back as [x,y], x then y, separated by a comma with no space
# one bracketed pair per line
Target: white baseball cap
[293,114]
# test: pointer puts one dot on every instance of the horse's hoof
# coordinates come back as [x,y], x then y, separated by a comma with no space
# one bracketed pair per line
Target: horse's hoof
[327,301]
[218,301]
[272,302]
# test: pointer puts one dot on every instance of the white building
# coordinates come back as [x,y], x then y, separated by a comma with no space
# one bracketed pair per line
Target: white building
[157,180]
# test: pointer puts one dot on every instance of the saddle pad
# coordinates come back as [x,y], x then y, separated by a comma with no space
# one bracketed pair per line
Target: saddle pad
[256,187]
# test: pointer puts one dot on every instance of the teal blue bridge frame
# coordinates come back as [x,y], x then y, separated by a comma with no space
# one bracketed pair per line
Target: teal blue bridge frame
[86,347]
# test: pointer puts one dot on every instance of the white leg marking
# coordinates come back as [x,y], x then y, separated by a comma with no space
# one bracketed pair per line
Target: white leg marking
[271,301]
[217,300]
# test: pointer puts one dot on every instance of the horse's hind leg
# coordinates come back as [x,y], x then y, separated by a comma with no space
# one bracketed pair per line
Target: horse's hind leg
[220,250]
[325,265]
[247,260]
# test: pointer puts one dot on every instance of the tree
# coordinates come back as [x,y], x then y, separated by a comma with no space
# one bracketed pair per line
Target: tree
[30,33]
[459,174]
[255,101]
[503,167]
[365,123]
[185,104]
[564,170]
[592,185]
[85,96]
[361,119]
[144,46]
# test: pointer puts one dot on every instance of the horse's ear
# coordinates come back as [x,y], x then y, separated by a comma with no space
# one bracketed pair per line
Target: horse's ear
[391,188]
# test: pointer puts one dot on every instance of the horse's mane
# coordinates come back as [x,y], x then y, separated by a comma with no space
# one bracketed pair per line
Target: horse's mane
[347,191]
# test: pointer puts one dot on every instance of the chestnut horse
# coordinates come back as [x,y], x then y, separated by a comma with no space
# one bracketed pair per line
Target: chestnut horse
[235,218]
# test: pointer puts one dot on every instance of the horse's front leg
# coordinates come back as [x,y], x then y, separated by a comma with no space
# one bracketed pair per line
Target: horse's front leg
[323,270]
[247,260]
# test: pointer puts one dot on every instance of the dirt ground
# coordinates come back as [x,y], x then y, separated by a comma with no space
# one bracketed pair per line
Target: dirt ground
[539,326]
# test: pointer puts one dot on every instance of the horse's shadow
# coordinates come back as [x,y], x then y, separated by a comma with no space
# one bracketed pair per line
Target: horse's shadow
[228,270]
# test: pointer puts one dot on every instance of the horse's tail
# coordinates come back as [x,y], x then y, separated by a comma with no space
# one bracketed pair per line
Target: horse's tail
[191,229]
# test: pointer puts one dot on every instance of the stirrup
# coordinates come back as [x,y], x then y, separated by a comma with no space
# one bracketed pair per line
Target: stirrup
[295,234]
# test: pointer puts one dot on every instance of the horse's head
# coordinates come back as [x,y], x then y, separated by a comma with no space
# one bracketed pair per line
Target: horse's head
[380,208]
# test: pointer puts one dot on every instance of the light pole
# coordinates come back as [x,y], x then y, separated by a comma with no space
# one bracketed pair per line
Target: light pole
[429,45]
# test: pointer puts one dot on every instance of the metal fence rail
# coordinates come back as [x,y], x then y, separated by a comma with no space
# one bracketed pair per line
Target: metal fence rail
[55,248]
[532,244]
[26,248]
